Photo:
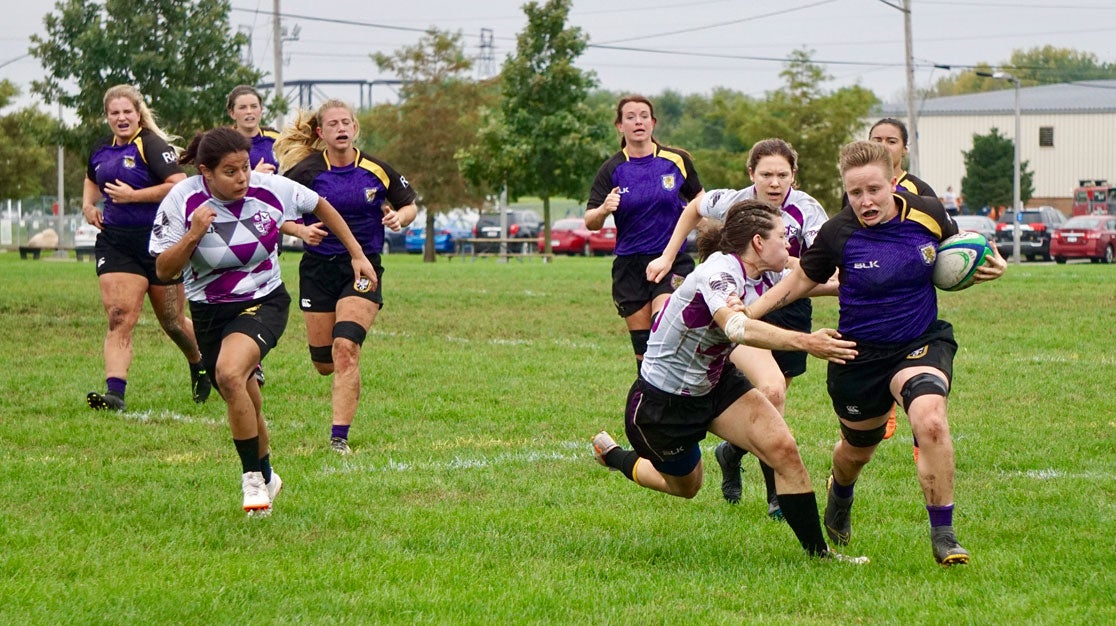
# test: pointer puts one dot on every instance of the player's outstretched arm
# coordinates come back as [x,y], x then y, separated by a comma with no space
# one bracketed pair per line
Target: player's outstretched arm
[823,344]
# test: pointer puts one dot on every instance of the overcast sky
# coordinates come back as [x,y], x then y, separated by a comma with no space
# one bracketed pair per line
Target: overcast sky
[648,46]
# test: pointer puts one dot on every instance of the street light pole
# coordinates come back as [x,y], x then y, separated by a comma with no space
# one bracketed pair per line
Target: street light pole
[1016,203]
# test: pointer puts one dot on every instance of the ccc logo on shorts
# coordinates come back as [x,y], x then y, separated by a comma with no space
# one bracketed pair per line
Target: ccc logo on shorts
[919,353]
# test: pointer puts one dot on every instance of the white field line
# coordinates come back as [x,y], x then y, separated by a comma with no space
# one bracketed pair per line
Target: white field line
[495,341]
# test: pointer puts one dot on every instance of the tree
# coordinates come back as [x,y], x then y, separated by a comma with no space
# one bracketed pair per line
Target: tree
[542,140]
[815,122]
[1036,66]
[440,111]
[24,135]
[990,172]
[181,55]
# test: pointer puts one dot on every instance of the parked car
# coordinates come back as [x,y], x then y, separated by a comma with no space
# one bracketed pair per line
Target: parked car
[522,224]
[447,230]
[1085,236]
[86,235]
[395,240]
[1034,232]
[603,241]
[567,236]
[977,224]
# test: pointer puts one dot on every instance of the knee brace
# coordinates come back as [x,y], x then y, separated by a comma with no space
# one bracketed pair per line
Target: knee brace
[923,384]
[639,340]
[350,330]
[863,438]
[321,354]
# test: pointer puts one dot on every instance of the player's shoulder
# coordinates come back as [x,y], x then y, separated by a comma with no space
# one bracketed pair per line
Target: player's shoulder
[269,132]
[310,166]
[717,202]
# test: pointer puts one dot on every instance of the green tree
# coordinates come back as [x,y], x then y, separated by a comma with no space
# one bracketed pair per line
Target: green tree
[181,55]
[817,123]
[990,172]
[25,137]
[1035,66]
[542,140]
[440,111]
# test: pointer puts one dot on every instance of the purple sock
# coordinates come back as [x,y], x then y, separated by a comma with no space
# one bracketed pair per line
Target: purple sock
[116,385]
[340,430]
[940,515]
[843,491]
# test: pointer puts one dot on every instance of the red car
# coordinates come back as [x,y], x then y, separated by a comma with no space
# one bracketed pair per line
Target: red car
[603,241]
[567,236]
[1085,236]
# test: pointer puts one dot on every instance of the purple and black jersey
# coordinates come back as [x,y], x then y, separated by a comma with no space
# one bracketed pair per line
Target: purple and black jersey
[886,293]
[145,161]
[358,192]
[914,184]
[653,191]
[263,148]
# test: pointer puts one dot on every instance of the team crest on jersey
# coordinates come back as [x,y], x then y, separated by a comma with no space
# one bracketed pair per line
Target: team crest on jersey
[261,223]
[369,194]
[919,353]
[668,182]
[130,162]
[929,253]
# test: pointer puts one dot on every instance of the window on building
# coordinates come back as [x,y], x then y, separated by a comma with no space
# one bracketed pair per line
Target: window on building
[1046,136]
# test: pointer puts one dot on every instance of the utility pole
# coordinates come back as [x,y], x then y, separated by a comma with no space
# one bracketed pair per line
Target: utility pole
[61,189]
[277,39]
[912,114]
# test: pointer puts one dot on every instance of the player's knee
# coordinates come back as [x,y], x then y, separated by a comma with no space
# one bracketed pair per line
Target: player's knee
[351,331]
[863,438]
[775,393]
[924,384]
[639,340]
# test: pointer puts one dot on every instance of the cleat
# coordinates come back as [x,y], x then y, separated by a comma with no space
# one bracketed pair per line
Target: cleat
[107,402]
[602,445]
[200,385]
[947,551]
[889,430]
[774,511]
[256,498]
[730,473]
[258,373]
[274,487]
[844,558]
[340,445]
[838,516]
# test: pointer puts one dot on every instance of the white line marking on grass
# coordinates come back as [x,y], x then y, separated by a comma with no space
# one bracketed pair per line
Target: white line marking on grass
[164,415]
[1056,474]
[495,341]
[459,462]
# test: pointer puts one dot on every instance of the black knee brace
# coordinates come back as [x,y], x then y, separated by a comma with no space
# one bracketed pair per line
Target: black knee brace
[923,384]
[863,438]
[321,354]
[350,330]
[639,340]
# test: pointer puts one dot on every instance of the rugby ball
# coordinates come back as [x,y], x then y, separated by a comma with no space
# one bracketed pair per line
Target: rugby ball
[958,259]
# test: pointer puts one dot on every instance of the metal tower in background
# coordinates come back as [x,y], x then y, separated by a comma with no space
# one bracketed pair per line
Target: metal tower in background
[486,59]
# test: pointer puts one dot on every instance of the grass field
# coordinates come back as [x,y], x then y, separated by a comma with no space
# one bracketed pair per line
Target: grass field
[473,498]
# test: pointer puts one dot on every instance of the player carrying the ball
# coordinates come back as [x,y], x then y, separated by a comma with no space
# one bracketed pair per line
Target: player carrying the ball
[884,245]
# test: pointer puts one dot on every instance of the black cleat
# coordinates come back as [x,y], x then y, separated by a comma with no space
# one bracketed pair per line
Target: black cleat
[200,385]
[838,516]
[258,373]
[107,402]
[730,471]
[946,549]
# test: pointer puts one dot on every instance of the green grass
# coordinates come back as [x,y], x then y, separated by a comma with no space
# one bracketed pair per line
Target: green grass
[473,498]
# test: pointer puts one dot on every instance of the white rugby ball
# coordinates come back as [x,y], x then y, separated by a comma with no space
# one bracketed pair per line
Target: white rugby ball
[958,259]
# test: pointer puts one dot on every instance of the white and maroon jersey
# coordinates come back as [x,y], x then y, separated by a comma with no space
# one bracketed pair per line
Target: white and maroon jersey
[687,349]
[237,259]
[802,214]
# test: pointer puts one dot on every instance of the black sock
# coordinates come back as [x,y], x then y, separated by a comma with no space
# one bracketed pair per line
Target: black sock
[768,479]
[623,460]
[249,451]
[734,453]
[801,512]
[265,467]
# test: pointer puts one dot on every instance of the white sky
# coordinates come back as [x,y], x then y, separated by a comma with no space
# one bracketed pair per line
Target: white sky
[690,47]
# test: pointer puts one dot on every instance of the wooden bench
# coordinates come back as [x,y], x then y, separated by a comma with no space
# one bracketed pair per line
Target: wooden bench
[467,247]
[81,252]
